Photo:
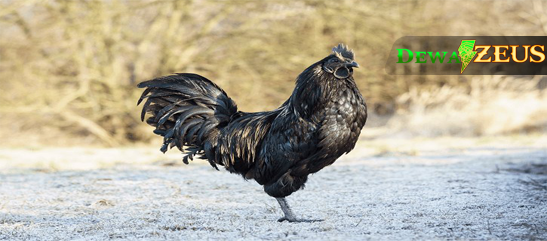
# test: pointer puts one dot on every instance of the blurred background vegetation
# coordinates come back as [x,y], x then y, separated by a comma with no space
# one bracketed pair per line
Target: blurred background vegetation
[69,69]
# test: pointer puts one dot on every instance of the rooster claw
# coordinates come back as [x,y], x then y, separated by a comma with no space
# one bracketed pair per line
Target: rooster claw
[296,220]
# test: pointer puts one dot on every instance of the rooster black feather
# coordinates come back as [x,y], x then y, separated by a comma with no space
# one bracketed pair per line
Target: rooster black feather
[320,121]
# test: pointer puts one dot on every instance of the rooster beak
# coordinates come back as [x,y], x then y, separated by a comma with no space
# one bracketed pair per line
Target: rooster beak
[353,64]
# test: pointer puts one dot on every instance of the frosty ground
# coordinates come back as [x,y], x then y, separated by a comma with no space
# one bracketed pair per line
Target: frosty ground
[436,190]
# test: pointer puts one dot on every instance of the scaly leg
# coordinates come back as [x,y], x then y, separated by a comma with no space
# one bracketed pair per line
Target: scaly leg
[289,215]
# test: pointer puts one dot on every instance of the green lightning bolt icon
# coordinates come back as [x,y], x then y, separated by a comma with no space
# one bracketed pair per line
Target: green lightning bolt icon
[466,53]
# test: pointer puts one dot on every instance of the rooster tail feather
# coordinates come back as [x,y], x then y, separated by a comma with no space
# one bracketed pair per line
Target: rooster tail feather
[186,109]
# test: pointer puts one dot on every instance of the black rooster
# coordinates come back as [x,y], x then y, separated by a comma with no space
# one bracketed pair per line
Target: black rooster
[279,149]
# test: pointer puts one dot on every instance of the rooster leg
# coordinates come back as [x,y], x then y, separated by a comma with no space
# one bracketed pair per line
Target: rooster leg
[289,215]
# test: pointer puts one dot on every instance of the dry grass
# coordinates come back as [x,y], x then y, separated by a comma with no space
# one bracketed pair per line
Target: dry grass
[491,105]
[71,66]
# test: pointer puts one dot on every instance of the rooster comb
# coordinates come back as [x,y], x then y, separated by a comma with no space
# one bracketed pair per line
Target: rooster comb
[342,51]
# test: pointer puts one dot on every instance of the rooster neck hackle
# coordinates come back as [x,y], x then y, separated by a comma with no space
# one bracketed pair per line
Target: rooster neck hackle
[314,88]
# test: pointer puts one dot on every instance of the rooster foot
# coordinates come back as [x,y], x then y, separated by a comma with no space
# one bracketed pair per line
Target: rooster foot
[297,220]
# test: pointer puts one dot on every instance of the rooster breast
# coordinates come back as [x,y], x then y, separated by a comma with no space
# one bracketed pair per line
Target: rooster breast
[343,118]
[296,147]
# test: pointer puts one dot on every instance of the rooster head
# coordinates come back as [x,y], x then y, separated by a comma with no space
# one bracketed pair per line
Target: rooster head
[340,63]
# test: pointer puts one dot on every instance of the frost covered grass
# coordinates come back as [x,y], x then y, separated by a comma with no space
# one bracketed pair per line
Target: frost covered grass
[422,189]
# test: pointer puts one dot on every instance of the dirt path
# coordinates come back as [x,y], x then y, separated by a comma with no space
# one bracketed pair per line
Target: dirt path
[472,193]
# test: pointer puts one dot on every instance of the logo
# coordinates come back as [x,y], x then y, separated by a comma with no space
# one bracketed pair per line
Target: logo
[472,55]
[466,52]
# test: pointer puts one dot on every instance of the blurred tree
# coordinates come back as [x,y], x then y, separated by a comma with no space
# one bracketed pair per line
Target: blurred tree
[73,65]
